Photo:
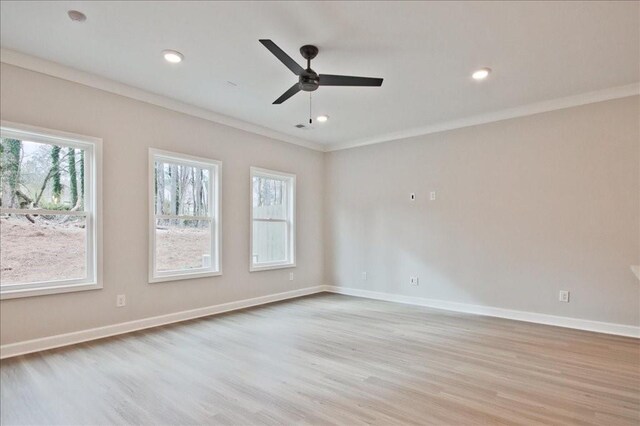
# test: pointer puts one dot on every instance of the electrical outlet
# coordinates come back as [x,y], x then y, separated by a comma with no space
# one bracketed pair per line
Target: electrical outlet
[121,300]
[413,281]
[290,276]
[364,276]
[564,296]
[432,195]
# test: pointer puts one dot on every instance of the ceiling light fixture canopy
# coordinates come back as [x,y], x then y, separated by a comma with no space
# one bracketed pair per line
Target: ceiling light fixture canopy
[481,74]
[172,56]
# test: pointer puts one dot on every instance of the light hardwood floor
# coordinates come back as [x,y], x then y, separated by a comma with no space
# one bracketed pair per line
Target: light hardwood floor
[331,359]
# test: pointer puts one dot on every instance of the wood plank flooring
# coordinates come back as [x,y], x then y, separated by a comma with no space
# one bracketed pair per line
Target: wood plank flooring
[331,359]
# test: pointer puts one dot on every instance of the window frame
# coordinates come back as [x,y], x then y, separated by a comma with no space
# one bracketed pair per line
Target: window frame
[291,220]
[215,191]
[92,209]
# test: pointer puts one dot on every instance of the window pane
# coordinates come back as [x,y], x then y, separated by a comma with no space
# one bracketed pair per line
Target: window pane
[182,244]
[269,242]
[269,198]
[181,190]
[49,249]
[39,175]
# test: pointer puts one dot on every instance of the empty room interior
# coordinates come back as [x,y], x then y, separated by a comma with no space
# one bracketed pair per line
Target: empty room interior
[320,213]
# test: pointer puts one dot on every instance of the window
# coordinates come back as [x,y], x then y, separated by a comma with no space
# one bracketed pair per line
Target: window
[49,211]
[272,219]
[184,233]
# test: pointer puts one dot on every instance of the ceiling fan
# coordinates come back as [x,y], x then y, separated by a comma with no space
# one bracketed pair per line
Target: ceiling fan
[308,79]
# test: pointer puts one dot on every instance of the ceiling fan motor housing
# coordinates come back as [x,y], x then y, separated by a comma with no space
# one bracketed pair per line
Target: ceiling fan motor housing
[309,80]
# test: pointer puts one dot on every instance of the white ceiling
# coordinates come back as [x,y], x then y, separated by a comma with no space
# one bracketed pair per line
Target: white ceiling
[425,51]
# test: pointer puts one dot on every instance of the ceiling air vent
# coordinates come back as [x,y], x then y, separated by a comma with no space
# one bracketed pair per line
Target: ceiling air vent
[304,126]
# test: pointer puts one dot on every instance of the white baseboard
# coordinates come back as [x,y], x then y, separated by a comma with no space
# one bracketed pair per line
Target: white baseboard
[35,345]
[580,324]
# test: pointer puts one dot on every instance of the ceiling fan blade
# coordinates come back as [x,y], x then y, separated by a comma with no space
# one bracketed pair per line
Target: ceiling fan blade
[347,80]
[284,58]
[289,93]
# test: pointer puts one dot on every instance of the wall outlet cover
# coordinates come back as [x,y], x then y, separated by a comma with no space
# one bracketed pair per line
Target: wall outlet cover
[121,300]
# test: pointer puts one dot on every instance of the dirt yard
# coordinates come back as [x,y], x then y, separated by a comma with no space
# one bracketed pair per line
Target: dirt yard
[40,252]
[56,251]
[182,248]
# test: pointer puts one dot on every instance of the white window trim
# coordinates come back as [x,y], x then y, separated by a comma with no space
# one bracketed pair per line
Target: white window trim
[215,190]
[291,262]
[92,213]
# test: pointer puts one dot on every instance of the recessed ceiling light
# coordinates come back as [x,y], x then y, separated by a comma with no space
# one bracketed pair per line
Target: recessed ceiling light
[77,16]
[481,74]
[322,118]
[172,56]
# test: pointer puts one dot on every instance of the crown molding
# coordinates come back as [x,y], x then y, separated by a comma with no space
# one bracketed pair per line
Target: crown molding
[63,72]
[54,69]
[521,111]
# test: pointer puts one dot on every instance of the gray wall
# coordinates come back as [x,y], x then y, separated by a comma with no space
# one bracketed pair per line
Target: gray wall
[524,208]
[128,129]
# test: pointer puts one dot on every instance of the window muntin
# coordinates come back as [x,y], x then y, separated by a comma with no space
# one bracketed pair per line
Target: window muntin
[272,219]
[48,211]
[185,220]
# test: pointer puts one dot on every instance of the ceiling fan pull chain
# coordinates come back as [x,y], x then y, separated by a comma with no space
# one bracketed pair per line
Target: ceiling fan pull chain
[310,121]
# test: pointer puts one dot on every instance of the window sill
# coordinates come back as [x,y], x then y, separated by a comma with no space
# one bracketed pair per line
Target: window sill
[185,276]
[46,290]
[254,268]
